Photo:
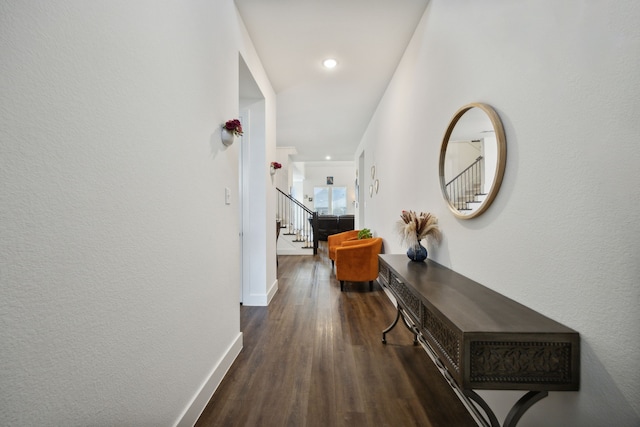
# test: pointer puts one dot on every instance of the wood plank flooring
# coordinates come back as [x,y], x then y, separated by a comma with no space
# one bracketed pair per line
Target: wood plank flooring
[314,357]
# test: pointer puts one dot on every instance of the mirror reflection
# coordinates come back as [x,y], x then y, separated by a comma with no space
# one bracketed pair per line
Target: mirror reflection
[472,160]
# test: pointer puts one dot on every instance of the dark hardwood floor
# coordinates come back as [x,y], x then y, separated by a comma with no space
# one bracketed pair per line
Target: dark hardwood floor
[314,357]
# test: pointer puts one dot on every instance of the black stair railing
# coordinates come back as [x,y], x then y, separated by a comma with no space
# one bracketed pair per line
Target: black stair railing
[299,220]
[467,185]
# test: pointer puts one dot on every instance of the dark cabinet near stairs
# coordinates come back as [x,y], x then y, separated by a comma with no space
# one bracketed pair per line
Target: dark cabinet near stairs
[332,224]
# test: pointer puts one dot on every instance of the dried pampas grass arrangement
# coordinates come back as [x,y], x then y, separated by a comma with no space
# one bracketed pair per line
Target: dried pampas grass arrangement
[413,227]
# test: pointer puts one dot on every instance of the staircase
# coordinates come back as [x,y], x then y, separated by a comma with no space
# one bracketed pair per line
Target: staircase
[297,236]
[465,190]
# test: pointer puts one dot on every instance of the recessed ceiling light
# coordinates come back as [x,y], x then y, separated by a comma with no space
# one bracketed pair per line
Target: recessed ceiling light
[329,63]
[328,158]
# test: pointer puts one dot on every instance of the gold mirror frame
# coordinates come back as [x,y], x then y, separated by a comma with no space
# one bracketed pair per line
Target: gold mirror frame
[501,160]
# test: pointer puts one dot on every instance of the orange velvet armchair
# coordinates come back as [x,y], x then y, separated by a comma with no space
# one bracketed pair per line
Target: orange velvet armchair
[335,240]
[357,261]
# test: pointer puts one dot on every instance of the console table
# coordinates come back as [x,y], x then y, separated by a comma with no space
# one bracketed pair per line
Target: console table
[480,339]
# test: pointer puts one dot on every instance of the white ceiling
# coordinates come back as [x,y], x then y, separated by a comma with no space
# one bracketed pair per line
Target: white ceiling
[325,112]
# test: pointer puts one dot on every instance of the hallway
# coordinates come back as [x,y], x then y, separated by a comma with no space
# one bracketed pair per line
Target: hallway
[314,357]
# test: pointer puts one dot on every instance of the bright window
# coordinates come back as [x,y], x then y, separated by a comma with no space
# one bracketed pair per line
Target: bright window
[330,200]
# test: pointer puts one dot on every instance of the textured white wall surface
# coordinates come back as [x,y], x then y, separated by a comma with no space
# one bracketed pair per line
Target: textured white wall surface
[562,235]
[119,268]
[119,260]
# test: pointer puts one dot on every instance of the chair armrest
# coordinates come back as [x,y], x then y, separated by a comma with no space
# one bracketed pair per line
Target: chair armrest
[354,242]
[335,240]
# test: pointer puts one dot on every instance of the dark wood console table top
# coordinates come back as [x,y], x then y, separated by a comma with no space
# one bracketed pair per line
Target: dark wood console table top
[479,338]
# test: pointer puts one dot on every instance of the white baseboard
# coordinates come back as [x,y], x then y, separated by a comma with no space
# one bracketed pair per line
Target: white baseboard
[261,300]
[388,294]
[200,400]
[272,291]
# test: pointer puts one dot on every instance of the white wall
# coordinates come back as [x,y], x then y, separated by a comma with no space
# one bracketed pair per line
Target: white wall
[343,173]
[283,178]
[119,258]
[562,235]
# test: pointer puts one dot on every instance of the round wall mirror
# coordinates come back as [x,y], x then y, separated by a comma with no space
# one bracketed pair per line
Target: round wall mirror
[473,156]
